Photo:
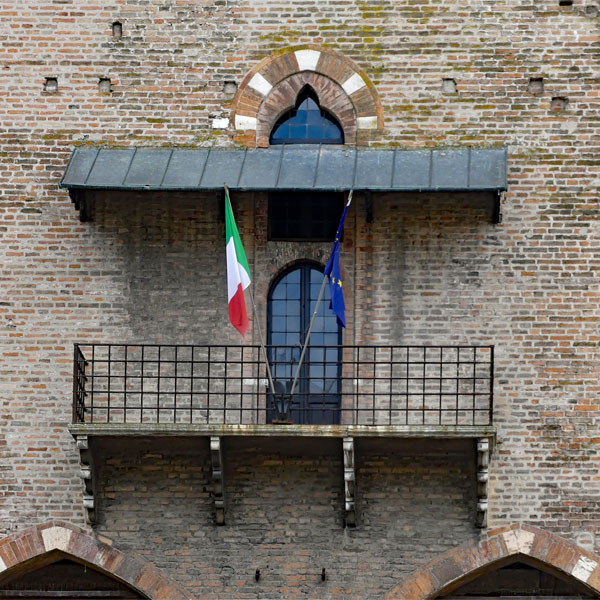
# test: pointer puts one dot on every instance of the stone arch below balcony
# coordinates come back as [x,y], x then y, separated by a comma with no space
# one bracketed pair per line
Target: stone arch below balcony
[272,87]
[497,549]
[36,549]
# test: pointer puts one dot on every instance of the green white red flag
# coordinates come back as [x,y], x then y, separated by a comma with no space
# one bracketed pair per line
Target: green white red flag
[238,272]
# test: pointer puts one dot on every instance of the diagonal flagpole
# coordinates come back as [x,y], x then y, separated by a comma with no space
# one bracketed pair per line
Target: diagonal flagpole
[312,321]
[257,321]
[262,342]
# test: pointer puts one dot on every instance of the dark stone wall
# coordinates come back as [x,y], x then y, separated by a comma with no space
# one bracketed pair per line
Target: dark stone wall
[285,512]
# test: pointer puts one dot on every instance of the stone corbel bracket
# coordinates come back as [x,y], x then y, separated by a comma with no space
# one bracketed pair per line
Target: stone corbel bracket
[349,482]
[86,472]
[218,479]
[369,205]
[483,460]
[81,204]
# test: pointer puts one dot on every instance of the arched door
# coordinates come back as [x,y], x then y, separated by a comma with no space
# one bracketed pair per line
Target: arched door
[291,304]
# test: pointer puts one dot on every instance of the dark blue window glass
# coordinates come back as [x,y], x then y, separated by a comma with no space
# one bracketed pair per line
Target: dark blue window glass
[307,124]
[291,304]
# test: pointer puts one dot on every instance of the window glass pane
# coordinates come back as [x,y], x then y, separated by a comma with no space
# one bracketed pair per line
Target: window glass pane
[293,276]
[307,124]
[278,339]
[293,291]
[317,354]
[278,323]
[293,323]
[304,215]
[292,338]
[278,307]
[293,308]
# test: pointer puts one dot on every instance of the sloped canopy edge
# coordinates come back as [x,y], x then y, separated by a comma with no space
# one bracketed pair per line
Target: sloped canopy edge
[294,167]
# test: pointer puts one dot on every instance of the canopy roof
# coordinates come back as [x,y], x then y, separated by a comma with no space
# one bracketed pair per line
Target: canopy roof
[286,167]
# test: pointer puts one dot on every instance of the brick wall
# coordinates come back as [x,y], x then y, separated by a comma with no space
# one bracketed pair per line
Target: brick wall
[431,268]
[285,513]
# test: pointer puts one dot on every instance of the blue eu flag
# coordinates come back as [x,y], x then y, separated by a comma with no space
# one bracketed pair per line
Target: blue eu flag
[332,271]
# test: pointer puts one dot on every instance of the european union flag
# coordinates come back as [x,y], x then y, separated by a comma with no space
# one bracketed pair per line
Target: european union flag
[332,271]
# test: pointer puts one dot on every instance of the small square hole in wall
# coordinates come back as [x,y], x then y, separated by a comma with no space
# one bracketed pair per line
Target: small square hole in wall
[51,85]
[592,11]
[104,85]
[117,30]
[230,88]
[449,86]
[536,85]
[559,103]
[565,2]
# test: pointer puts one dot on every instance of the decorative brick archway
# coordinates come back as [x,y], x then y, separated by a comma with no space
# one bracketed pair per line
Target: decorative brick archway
[29,549]
[271,88]
[495,549]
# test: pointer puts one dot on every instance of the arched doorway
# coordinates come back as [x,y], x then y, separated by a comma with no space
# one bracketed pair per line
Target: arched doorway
[66,579]
[291,304]
[47,557]
[517,561]
[523,579]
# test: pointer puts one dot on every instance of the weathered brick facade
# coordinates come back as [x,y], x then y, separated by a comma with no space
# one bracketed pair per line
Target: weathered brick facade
[431,268]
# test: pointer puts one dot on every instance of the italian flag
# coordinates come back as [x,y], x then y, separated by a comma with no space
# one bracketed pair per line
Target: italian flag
[238,272]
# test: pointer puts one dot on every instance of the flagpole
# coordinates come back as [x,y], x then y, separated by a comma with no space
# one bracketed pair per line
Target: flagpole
[312,321]
[262,343]
[256,319]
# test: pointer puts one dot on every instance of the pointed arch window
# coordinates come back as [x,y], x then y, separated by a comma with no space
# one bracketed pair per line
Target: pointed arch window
[307,123]
[291,303]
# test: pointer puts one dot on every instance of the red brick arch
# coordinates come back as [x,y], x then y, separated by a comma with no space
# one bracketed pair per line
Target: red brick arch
[283,97]
[272,86]
[32,548]
[497,548]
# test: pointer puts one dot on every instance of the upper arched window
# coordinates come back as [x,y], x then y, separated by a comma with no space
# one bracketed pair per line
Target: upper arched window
[307,123]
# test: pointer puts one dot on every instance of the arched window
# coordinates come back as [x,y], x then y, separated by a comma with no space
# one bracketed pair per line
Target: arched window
[291,303]
[307,123]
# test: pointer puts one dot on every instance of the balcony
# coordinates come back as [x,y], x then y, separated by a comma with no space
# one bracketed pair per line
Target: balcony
[223,391]
[371,386]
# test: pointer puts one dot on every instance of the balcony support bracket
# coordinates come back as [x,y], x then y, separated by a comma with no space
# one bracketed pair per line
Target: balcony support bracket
[349,482]
[483,459]
[86,472]
[218,479]
[369,206]
[82,204]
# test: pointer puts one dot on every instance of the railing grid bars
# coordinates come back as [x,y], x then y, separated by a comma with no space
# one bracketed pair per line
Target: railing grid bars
[241,385]
[474,380]
[142,386]
[125,386]
[108,386]
[390,380]
[175,389]
[491,392]
[361,385]
[457,383]
[407,384]
[424,382]
[209,381]
[191,378]
[440,384]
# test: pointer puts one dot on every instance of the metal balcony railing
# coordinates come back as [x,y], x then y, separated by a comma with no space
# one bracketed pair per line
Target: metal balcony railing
[348,385]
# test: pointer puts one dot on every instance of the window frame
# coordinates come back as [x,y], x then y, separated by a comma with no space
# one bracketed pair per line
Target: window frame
[307,203]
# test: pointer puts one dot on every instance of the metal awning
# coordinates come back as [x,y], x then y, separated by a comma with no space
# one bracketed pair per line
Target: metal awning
[292,167]
[296,167]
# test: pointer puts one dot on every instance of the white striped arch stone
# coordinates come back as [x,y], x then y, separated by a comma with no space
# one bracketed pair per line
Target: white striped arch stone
[307,59]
